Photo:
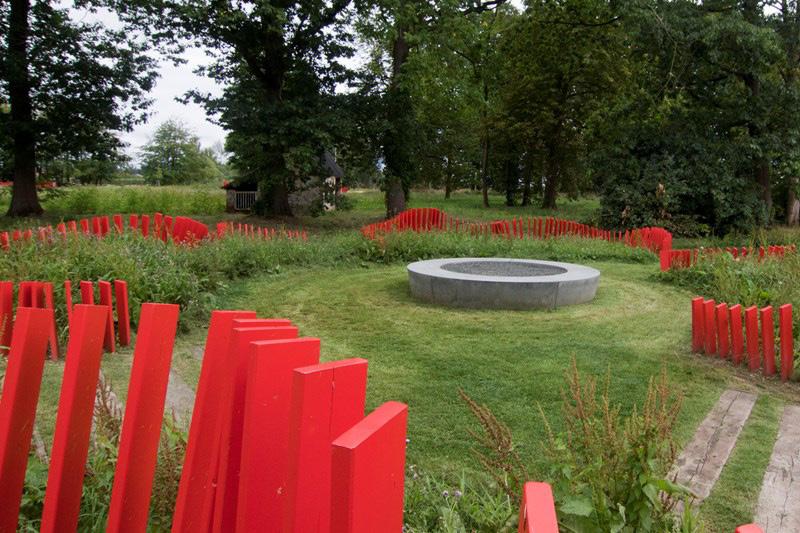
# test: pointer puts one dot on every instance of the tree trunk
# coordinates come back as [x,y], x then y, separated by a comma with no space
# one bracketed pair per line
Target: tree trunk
[792,203]
[24,200]
[485,171]
[395,198]
[277,200]
[448,181]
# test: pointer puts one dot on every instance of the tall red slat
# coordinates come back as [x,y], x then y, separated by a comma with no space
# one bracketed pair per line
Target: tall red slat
[698,324]
[141,426]
[768,340]
[6,315]
[751,329]
[787,341]
[145,220]
[327,400]
[195,493]
[133,222]
[537,514]
[368,472]
[105,225]
[232,421]
[737,338]
[118,223]
[23,379]
[87,292]
[711,327]
[74,420]
[265,435]
[723,332]
[25,294]
[123,312]
[109,342]
[52,331]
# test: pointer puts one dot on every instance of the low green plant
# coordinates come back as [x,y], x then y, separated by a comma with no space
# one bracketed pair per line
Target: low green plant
[608,472]
[435,504]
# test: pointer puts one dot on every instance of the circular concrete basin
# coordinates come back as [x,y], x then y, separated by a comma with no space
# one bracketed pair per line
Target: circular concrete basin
[500,283]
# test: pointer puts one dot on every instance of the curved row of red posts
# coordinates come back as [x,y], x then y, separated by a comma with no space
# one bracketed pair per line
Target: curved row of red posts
[687,258]
[177,229]
[249,230]
[39,295]
[426,219]
[717,329]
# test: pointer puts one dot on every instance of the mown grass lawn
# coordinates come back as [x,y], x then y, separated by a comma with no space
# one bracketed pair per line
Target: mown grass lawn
[515,361]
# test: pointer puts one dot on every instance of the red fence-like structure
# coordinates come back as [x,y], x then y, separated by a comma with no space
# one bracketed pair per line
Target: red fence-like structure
[720,329]
[429,219]
[278,440]
[39,294]
[687,258]
[249,230]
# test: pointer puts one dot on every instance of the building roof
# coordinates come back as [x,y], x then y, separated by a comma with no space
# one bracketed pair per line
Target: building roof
[331,166]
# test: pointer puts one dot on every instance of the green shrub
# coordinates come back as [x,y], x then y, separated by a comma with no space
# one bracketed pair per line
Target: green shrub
[608,472]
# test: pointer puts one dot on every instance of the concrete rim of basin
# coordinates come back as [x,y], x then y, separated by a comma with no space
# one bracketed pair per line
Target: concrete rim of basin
[432,282]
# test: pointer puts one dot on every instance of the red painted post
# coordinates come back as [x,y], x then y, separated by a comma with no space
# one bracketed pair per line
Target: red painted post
[537,514]
[232,419]
[737,338]
[123,312]
[265,435]
[723,332]
[327,400]
[52,332]
[74,420]
[787,342]
[25,294]
[698,324]
[72,226]
[749,528]
[145,220]
[141,426]
[23,379]
[751,328]
[118,223]
[711,327]
[87,292]
[195,499]
[109,342]
[105,225]
[133,222]
[768,340]
[367,473]
[6,315]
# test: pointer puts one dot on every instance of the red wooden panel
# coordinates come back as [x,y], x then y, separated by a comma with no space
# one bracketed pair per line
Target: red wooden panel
[4,240]
[145,225]
[768,340]
[23,379]
[25,294]
[327,400]
[72,226]
[74,420]
[265,435]
[141,426]
[737,338]
[787,342]
[751,329]
[723,332]
[123,312]
[232,419]
[96,229]
[537,514]
[133,222]
[749,528]
[105,225]
[109,341]
[52,331]
[698,325]
[87,292]
[368,472]
[711,326]
[6,315]
[195,492]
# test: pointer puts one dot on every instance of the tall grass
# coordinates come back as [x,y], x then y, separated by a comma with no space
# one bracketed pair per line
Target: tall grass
[105,199]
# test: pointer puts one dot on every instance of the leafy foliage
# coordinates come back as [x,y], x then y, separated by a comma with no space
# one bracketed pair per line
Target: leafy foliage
[173,157]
